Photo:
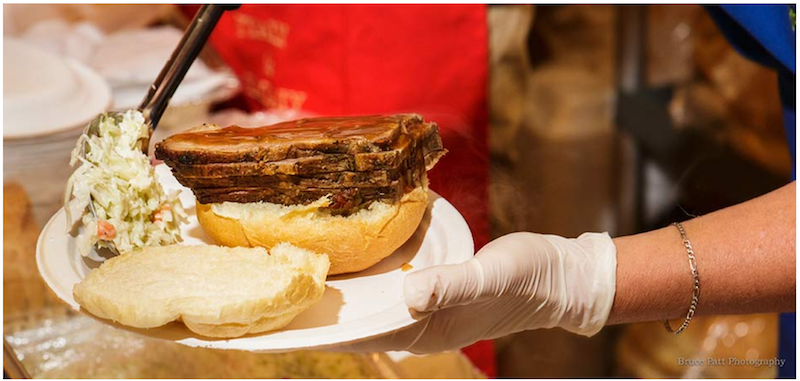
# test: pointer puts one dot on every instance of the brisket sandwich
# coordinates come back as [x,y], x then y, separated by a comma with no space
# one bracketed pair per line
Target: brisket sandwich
[352,187]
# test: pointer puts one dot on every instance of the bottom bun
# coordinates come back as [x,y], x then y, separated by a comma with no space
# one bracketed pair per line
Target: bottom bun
[353,243]
[215,291]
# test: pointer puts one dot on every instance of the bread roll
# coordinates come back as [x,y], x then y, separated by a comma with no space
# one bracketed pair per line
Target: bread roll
[353,243]
[216,291]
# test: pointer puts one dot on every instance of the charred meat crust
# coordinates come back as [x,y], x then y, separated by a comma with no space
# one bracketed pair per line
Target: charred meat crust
[290,140]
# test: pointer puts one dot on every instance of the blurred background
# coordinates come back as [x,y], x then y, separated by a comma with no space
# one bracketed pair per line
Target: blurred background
[564,119]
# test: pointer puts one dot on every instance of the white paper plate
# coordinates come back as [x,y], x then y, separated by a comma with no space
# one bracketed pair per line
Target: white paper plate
[354,307]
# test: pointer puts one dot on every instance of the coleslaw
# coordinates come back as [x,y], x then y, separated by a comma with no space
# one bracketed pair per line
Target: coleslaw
[116,177]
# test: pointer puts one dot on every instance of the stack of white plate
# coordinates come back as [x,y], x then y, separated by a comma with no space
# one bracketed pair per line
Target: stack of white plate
[47,101]
[130,60]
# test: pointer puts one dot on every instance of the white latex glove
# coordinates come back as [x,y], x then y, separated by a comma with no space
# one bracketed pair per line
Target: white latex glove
[518,282]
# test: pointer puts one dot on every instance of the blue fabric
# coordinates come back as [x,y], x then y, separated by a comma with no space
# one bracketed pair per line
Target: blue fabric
[765,34]
[771,26]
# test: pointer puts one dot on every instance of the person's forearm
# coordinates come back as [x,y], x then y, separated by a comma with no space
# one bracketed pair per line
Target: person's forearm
[746,257]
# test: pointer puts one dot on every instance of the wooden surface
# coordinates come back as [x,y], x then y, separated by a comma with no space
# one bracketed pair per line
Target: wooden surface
[23,288]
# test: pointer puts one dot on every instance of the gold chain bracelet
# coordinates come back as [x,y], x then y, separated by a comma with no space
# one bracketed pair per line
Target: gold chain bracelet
[695,283]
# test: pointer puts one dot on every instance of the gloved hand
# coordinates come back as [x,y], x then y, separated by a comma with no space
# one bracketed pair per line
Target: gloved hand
[518,282]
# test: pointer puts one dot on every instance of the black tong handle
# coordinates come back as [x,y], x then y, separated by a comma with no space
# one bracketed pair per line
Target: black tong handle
[192,42]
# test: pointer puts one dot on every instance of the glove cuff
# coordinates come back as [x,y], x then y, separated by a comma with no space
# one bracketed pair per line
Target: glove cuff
[592,266]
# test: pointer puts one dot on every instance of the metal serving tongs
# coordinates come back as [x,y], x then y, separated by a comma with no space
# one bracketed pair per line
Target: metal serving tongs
[160,92]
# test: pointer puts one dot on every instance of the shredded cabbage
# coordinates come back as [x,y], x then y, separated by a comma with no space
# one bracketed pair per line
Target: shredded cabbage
[117,178]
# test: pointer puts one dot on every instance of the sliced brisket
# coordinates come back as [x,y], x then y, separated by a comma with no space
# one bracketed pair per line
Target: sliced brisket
[353,160]
[380,178]
[345,200]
